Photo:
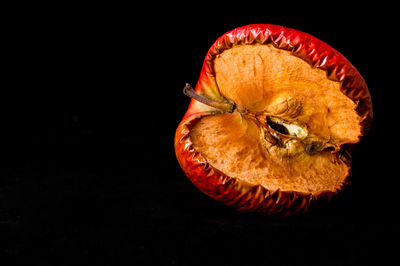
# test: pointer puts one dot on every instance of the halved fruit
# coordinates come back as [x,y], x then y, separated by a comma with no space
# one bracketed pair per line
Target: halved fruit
[273,120]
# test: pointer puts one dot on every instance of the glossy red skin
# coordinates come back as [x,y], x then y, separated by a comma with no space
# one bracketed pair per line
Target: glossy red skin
[236,193]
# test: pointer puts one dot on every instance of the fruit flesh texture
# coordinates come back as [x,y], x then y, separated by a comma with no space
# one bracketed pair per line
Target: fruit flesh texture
[268,82]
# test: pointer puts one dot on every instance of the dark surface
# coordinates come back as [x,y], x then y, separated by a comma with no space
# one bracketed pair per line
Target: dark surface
[88,172]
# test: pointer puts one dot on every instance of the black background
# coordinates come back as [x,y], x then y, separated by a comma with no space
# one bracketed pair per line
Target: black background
[90,102]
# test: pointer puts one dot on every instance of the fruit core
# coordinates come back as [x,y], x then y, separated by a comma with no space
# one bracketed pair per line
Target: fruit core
[287,125]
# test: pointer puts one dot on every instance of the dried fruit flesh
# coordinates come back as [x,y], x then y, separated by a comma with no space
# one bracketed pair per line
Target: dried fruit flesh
[268,82]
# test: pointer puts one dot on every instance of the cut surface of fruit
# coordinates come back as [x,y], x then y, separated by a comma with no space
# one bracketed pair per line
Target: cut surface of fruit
[295,117]
[234,144]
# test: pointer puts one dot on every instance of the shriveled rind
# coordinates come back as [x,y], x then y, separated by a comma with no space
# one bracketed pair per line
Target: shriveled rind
[236,193]
[317,53]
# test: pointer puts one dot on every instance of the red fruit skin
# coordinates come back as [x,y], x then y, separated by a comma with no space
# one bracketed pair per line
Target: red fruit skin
[236,193]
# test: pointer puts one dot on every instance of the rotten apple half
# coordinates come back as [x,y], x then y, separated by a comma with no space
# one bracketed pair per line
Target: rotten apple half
[272,121]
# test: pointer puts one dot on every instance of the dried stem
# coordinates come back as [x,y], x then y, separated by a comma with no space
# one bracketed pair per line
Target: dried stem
[189,91]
